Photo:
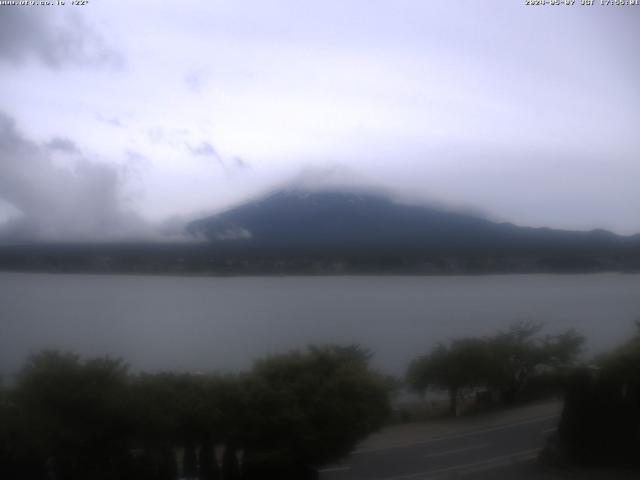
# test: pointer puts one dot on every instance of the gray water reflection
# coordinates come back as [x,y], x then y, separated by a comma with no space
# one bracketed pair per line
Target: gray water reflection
[205,323]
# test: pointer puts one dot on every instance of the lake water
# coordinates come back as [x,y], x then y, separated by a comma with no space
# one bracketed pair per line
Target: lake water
[213,323]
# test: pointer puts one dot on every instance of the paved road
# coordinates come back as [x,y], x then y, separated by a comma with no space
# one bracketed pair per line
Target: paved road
[500,451]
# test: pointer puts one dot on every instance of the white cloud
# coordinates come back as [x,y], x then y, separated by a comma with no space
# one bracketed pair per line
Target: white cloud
[462,99]
[55,202]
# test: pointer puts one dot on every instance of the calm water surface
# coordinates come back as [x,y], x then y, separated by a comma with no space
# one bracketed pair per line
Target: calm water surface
[208,323]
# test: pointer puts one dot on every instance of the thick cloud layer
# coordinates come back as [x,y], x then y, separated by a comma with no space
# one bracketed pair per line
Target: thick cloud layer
[454,101]
[72,200]
[57,41]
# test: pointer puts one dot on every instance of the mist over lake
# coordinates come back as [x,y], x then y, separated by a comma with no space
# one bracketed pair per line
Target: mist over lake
[224,323]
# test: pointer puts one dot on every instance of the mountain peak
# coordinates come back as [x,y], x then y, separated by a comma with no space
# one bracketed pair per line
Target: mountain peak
[342,222]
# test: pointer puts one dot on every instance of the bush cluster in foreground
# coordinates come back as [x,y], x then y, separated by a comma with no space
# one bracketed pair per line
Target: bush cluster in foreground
[68,418]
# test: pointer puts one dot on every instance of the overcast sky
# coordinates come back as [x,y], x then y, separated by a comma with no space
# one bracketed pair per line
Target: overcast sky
[119,115]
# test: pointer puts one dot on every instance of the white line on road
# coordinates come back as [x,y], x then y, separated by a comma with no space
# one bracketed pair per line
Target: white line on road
[471,467]
[457,450]
[334,469]
[454,436]
[549,430]
[506,461]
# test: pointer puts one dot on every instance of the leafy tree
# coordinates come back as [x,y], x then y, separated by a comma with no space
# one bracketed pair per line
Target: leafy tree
[601,415]
[505,361]
[77,419]
[623,363]
[170,408]
[309,408]
[14,448]
[461,364]
[519,353]
[73,413]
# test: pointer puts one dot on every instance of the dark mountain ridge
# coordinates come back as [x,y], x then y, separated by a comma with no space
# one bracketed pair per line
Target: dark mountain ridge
[339,223]
[329,232]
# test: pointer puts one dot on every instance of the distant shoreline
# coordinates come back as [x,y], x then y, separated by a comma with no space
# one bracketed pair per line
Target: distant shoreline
[311,275]
[207,260]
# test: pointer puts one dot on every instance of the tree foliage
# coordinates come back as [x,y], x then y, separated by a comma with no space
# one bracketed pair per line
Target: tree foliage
[317,404]
[77,419]
[70,413]
[459,365]
[504,362]
[601,415]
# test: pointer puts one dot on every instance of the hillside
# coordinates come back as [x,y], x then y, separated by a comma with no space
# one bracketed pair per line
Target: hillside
[299,232]
[339,223]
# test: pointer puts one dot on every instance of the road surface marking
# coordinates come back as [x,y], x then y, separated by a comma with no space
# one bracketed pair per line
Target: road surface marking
[510,460]
[457,450]
[334,469]
[455,435]
[471,467]
[549,430]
